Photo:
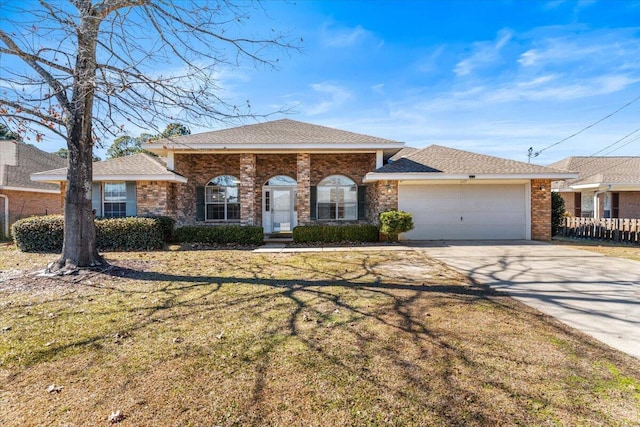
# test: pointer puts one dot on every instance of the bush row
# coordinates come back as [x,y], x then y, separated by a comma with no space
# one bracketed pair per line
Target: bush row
[46,233]
[335,233]
[242,234]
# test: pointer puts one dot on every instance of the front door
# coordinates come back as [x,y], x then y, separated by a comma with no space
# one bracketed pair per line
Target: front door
[281,210]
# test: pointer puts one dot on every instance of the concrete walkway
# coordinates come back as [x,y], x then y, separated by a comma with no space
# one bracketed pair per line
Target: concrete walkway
[595,294]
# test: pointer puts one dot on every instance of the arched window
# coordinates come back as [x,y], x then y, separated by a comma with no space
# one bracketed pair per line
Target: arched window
[222,199]
[337,198]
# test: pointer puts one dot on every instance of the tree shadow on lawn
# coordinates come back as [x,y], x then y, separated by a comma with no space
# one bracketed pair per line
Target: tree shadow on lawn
[409,351]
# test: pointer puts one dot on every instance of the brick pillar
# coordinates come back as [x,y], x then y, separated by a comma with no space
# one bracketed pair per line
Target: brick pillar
[304,187]
[541,209]
[247,189]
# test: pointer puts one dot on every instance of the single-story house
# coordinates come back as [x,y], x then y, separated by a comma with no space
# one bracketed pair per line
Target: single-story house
[19,196]
[606,187]
[284,173]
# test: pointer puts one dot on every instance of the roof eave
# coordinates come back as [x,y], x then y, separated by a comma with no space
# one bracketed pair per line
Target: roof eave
[437,176]
[124,177]
[242,147]
[30,189]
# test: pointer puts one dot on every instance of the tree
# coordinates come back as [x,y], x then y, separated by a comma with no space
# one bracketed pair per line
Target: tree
[557,212]
[6,133]
[64,153]
[127,145]
[82,69]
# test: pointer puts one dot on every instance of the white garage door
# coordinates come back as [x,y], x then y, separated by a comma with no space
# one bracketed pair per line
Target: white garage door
[460,212]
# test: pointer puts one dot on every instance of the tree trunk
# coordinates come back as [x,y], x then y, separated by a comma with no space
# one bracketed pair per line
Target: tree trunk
[79,246]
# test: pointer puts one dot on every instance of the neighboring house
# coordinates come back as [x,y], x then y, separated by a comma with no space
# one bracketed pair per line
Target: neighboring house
[285,173]
[606,187]
[19,196]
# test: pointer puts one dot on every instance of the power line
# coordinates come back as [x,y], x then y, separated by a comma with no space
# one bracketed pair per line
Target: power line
[533,153]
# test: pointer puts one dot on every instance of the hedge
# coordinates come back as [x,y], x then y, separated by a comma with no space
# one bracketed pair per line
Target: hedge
[335,233]
[46,233]
[222,234]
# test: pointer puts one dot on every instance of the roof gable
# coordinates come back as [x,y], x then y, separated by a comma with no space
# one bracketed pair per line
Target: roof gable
[450,161]
[140,167]
[594,170]
[284,133]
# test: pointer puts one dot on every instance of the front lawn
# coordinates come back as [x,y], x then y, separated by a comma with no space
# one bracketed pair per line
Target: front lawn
[236,338]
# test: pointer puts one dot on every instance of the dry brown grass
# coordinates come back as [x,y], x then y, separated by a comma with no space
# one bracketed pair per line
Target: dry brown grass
[619,250]
[228,338]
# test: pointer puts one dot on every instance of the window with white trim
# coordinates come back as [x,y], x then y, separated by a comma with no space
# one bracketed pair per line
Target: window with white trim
[114,199]
[222,199]
[337,199]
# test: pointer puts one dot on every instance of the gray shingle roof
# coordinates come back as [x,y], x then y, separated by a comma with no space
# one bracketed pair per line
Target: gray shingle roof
[285,131]
[450,161]
[600,170]
[138,165]
[18,161]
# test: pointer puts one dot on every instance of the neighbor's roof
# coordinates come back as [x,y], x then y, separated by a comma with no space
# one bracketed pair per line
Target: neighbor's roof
[282,134]
[19,160]
[437,162]
[138,167]
[600,171]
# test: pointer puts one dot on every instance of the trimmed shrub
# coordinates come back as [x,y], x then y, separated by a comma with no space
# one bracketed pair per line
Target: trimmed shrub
[46,233]
[129,234]
[335,233]
[394,222]
[221,234]
[167,224]
[557,212]
[39,233]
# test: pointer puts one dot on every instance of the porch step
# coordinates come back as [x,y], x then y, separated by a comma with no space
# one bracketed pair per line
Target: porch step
[271,239]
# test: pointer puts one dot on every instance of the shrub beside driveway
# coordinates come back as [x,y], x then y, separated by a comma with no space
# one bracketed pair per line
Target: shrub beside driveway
[238,338]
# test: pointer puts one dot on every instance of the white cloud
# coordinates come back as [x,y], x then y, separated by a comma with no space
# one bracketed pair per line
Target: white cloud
[343,37]
[332,96]
[484,53]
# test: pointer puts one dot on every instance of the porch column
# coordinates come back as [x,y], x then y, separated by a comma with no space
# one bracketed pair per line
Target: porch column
[541,209]
[304,188]
[248,189]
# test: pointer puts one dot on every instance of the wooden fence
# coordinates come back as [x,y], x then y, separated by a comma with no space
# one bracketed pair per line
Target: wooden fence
[614,229]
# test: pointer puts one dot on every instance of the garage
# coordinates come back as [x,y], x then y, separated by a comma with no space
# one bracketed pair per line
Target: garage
[466,211]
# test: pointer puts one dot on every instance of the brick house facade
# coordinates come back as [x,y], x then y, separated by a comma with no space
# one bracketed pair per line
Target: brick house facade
[286,173]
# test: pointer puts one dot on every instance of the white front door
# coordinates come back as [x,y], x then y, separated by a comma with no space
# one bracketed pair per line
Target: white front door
[278,214]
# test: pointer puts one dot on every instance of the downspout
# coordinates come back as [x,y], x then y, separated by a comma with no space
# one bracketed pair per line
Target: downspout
[6,215]
[596,202]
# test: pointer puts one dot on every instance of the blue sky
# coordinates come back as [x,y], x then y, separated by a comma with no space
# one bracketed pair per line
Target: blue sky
[494,77]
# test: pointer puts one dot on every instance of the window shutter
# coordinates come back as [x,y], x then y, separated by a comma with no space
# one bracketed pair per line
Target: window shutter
[131,204]
[313,198]
[577,203]
[199,203]
[362,202]
[96,198]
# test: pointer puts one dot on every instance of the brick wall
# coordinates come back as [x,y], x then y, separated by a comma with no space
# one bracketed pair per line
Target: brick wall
[541,209]
[23,204]
[199,169]
[303,164]
[569,202]
[306,169]
[381,196]
[354,166]
[248,205]
[629,204]
[152,198]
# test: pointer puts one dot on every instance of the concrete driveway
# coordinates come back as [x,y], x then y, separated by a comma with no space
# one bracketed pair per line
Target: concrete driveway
[596,294]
